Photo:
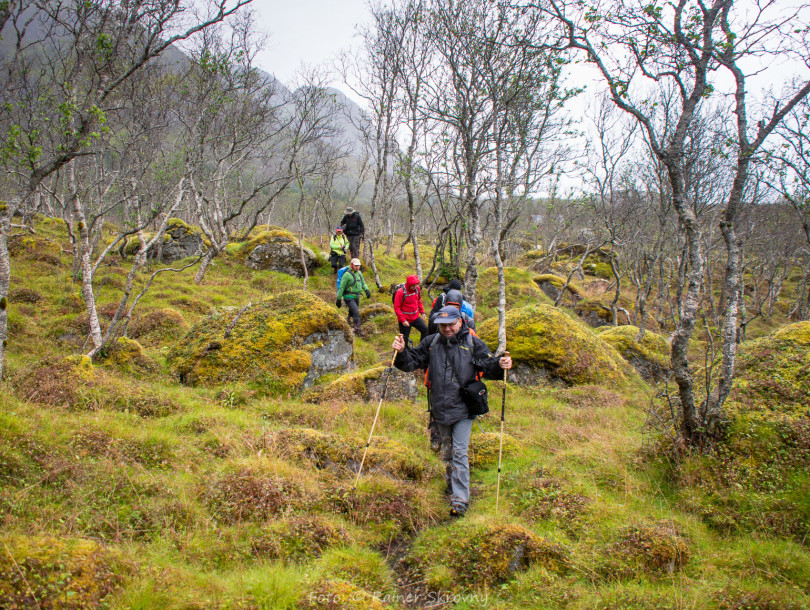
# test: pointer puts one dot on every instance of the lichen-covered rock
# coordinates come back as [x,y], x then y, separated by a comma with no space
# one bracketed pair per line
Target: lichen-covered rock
[650,356]
[773,375]
[43,572]
[183,241]
[289,339]
[552,285]
[597,314]
[277,250]
[542,336]
[366,385]
[521,290]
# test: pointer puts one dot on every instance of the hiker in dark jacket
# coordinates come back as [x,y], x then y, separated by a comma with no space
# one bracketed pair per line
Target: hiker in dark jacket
[354,229]
[439,302]
[352,284]
[449,352]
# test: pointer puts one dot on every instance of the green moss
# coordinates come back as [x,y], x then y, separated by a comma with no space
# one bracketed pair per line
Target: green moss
[265,344]
[645,550]
[353,386]
[326,450]
[48,572]
[468,555]
[521,290]
[558,282]
[241,250]
[773,375]
[544,336]
[339,594]
[652,352]
[485,449]
[127,355]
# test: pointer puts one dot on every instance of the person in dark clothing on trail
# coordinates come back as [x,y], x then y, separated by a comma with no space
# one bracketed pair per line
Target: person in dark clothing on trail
[352,284]
[354,229]
[454,350]
[441,301]
[409,309]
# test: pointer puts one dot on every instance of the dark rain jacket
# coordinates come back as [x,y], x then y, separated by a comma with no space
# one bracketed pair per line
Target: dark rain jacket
[353,225]
[446,404]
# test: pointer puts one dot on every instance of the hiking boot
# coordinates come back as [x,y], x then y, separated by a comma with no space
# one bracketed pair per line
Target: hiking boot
[457,509]
[435,445]
[359,332]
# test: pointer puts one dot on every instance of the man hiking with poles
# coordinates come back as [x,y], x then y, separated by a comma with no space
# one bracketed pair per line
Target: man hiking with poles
[453,359]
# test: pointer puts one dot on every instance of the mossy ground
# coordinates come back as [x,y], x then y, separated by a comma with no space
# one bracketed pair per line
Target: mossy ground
[125,489]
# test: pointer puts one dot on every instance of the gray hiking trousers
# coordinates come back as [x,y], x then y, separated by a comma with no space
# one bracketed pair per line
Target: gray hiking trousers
[455,444]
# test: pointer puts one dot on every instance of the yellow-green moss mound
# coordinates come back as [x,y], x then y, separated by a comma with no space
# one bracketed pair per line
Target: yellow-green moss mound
[40,572]
[156,327]
[285,339]
[467,555]
[485,449]
[521,290]
[340,595]
[326,450]
[364,386]
[773,374]
[542,336]
[650,356]
[127,355]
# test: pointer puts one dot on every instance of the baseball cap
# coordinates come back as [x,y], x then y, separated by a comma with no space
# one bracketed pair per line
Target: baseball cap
[447,315]
[339,229]
[356,261]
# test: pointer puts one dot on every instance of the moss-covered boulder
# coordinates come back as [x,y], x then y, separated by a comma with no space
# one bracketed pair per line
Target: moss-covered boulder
[276,250]
[521,290]
[127,355]
[157,327]
[596,313]
[773,375]
[366,385]
[466,555]
[289,339]
[44,572]
[542,337]
[650,356]
[183,241]
[552,285]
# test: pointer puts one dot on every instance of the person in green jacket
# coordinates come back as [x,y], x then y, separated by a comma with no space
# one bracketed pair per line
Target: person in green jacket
[351,285]
[337,249]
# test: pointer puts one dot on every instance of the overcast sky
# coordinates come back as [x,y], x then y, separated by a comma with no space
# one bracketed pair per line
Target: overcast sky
[307,31]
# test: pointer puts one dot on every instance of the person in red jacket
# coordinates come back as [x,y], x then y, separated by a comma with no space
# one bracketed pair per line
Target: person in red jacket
[409,309]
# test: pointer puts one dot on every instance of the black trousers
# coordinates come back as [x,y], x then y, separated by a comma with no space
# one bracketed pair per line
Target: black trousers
[354,310]
[418,324]
[337,260]
[354,245]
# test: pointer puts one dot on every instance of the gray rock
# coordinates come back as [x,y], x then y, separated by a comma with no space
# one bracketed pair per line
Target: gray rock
[523,374]
[282,255]
[333,356]
[401,386]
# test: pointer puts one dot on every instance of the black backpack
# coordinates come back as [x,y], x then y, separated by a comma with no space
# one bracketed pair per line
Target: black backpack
[399,287]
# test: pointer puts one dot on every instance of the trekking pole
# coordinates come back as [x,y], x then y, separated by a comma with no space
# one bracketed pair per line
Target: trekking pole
[500,450]
[376,415]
